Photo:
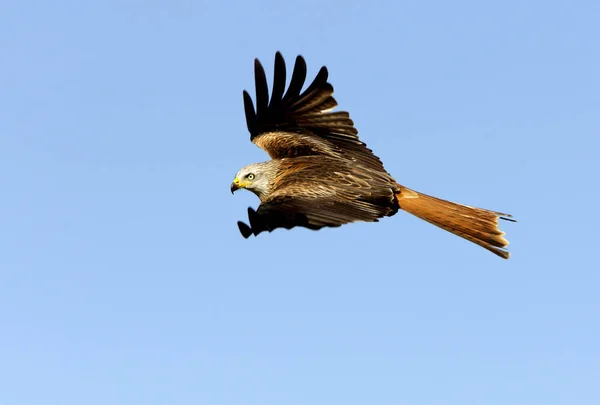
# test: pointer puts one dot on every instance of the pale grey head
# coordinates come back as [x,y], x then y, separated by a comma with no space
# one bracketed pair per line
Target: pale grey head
[257,177]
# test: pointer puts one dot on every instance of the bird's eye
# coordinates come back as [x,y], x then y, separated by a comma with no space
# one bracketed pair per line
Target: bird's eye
[250,176]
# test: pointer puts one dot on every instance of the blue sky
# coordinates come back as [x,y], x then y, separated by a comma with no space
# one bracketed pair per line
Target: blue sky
[124,280]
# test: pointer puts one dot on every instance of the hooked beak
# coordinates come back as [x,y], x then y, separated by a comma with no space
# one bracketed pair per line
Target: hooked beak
[235,185]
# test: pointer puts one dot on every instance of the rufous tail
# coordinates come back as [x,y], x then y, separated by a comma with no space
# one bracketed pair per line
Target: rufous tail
[477,225]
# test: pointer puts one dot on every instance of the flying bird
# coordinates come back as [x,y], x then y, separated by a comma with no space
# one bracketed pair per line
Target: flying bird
[322,175]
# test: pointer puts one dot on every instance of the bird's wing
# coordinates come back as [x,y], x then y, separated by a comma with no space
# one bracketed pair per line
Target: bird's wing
[323,194]
[289,212]
[302,124]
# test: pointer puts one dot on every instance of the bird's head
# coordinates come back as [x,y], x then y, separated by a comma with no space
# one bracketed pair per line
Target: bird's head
[256,177]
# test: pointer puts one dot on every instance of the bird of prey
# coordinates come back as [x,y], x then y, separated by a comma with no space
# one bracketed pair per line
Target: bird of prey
[322,175]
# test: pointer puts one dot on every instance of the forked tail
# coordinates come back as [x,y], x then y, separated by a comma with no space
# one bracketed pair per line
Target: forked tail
[477,225]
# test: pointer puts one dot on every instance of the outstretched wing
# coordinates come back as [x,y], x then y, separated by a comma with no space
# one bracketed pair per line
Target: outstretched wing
[316,192]
[302,124]
[289,212]
[311,214]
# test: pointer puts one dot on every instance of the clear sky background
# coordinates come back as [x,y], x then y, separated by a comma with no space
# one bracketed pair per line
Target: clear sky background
[124,280]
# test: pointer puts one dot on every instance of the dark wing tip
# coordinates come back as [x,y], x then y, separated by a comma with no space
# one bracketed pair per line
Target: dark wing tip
[300,61]
[298,78]
[258,66]
[250,114]
[262,89]
[245,230]
[279,78]
[252,218]
[323,75]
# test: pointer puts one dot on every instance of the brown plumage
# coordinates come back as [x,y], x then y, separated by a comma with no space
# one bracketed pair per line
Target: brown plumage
[322,175]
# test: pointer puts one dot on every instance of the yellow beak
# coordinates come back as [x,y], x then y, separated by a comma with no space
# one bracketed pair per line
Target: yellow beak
[236,185]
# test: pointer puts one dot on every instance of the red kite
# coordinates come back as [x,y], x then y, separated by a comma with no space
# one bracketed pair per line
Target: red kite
[321,175]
